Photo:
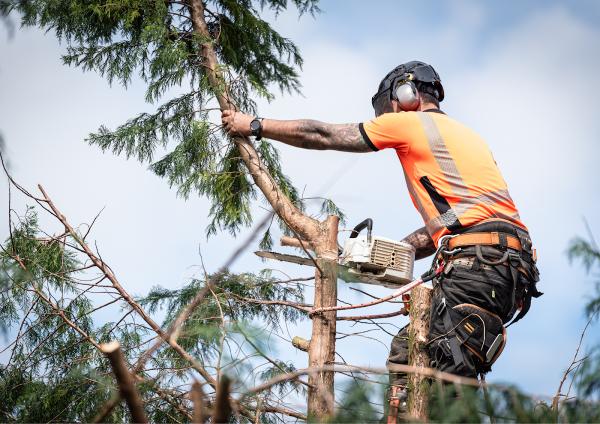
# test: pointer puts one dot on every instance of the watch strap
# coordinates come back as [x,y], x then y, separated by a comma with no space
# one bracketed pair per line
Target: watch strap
[256,130]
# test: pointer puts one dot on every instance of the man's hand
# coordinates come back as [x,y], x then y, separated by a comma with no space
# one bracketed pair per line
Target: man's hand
[236,123]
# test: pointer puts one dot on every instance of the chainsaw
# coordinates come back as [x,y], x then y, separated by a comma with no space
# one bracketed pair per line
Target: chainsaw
[365,259]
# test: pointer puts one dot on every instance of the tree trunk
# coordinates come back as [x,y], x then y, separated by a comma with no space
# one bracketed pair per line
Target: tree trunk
[320,236]
[322,343]
[417,352]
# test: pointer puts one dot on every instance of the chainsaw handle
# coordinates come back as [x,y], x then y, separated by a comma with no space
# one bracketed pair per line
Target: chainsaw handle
[368,224]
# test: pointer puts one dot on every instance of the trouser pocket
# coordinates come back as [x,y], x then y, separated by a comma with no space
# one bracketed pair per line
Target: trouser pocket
[480,331]
[465,338]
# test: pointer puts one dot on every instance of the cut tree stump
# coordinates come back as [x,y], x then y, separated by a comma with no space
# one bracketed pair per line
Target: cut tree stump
[420,304]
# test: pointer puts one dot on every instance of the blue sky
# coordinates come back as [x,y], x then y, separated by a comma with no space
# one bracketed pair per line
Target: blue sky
[522,74]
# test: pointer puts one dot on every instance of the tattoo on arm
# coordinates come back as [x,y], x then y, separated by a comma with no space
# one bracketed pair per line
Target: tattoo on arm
[422,241]
[310,134]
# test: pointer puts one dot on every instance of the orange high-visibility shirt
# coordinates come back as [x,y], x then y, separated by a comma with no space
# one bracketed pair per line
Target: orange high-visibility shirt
[452,177]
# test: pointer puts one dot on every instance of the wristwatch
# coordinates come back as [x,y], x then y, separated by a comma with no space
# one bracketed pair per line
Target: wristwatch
[256,127]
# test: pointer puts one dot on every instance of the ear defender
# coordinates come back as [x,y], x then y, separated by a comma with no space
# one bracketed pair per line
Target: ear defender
[407,96]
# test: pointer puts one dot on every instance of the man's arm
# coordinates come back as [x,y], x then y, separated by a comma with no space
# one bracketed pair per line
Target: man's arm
[422,241]
[304,133]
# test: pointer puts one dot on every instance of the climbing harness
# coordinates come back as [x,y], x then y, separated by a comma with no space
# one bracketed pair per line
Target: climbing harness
[480,331]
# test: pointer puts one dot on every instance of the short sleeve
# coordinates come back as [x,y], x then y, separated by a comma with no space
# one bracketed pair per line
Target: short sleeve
[391,131]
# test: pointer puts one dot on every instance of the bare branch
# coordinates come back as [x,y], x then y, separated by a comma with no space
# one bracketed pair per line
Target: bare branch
[394,295]
[376,316]
[429,372]
[558,394]
[127,387]
[222,407]
[198,400]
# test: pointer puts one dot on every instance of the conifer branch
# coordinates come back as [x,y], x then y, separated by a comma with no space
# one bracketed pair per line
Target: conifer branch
[285,209]
[105,269]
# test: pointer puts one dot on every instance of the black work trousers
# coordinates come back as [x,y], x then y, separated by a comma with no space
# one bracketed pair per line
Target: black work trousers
[465,281]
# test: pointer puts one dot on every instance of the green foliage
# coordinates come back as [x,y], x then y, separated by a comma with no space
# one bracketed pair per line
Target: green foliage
[155,40]
[504,404]
[588,381]
[76,396]
[589,254]
[356,404]
[234,298]
[53,372]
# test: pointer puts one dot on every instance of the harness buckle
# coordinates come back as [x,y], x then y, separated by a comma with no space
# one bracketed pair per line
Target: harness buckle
[440,308]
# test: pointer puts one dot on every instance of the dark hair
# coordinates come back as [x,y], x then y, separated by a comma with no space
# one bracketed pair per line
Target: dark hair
[428,93]
[429,98]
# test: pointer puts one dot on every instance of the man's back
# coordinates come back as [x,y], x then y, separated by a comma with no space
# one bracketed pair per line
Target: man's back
[450,172]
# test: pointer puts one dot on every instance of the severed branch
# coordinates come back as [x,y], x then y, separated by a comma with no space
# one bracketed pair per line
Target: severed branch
[171,335]
[295,242]
[376,316]
[198,400]
[301,224]
[222,406]
[127,388]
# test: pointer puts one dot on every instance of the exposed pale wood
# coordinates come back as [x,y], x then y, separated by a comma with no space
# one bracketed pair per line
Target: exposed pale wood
[300,343]
[417,352]
[127,388]
[321,236]
[294,242]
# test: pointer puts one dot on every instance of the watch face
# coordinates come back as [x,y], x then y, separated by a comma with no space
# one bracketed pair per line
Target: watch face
[255,125]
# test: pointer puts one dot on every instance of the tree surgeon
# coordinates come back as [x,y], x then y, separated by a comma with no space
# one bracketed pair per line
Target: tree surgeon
[488,270]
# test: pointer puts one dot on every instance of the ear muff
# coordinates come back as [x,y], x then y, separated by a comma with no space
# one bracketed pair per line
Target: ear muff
[407,95]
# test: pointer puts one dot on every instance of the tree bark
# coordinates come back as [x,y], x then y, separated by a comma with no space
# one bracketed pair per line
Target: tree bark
[222,406]
[417,352]
[199,402]
[125,381]
[321,236]
[321,350]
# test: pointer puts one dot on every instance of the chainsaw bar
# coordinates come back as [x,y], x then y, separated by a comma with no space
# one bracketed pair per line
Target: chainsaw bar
[300,260]
[345,273]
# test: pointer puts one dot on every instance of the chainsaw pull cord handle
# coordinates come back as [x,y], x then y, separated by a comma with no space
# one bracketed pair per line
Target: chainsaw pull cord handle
[368,224]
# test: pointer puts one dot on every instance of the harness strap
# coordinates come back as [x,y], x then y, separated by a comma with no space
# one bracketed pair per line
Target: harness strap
[494,238]
[452,341]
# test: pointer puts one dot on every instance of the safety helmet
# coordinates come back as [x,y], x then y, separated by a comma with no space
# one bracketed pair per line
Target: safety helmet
[403,84]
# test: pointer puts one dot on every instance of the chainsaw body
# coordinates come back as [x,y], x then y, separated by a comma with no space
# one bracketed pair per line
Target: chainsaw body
[366,259]
[377,260]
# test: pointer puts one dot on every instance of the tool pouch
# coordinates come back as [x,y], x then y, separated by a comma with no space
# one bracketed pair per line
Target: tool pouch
[480,331]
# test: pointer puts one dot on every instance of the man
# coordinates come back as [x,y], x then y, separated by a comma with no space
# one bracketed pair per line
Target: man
[488,262]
